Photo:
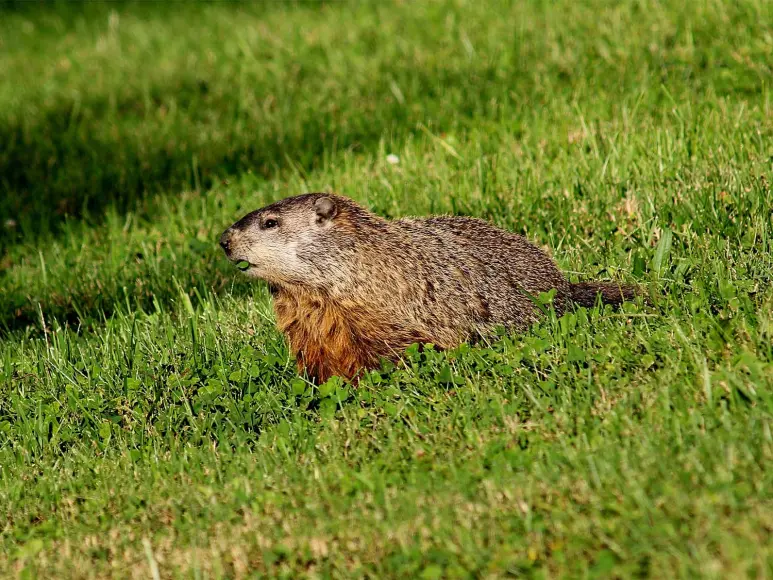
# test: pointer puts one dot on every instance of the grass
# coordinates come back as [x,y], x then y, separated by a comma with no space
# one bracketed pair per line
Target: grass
[150,415]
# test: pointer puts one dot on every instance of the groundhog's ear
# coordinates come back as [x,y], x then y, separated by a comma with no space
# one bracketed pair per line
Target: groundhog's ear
[325,208]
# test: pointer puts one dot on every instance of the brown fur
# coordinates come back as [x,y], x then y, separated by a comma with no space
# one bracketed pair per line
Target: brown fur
[336,339]
[351,288]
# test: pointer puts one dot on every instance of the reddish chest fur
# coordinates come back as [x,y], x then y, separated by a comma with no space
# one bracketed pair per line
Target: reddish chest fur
[329,338]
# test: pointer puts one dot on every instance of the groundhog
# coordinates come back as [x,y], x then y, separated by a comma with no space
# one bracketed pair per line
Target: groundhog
[351,288]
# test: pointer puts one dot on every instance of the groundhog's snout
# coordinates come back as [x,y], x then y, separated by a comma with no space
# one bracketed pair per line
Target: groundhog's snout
[225,241]
[233,248]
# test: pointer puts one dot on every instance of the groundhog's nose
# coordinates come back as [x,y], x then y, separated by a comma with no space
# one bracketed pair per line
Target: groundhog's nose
[225,241]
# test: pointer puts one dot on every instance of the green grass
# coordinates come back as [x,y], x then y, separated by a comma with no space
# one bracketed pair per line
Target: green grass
[150,414]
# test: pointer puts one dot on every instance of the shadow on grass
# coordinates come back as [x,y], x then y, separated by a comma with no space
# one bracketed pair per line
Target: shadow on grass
[58,166]
[54,166]
[79,150]
[87,299]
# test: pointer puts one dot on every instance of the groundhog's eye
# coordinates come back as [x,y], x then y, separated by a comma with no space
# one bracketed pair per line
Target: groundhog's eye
[270,223]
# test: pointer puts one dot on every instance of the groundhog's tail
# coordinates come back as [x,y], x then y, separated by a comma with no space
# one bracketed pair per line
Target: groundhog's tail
[586,293]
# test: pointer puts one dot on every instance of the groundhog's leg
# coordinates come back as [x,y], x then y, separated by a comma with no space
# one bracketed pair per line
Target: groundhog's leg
[321,362]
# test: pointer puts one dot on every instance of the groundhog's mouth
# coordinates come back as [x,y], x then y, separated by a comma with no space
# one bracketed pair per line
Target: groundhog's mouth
[242,264]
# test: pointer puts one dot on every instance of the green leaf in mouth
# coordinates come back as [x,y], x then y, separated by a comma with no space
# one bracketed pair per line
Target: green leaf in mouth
[244,265]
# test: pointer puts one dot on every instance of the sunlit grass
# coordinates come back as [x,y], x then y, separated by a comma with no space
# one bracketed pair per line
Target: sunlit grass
[149,410]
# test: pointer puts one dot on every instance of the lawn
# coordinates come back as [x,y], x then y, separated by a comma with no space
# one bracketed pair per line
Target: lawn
[152,422]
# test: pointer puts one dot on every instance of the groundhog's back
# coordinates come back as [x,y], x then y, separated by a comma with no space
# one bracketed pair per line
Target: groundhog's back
[491,275]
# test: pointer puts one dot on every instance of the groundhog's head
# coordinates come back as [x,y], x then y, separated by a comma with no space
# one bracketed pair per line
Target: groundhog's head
[297,240]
